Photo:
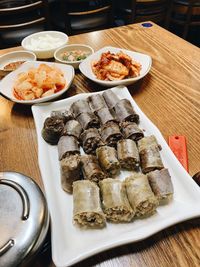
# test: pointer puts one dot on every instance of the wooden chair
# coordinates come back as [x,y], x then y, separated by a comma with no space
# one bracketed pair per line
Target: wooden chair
[19,18]
[184,13]
[77,16]
[132,11]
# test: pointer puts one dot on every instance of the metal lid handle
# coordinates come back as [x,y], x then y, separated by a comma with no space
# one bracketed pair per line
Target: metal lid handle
[23,195]
[7,246]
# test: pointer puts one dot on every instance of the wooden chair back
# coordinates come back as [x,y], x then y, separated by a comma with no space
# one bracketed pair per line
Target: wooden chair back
[18,18]
[185,13]
[133,11]
[84,16]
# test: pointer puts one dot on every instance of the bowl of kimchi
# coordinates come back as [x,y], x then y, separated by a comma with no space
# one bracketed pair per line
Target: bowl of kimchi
[112,66]
[37,81]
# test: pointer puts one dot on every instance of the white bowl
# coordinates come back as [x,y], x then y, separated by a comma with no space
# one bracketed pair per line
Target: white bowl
[7,83]
[40,44]
[58,53]
[86,66]
[15,57]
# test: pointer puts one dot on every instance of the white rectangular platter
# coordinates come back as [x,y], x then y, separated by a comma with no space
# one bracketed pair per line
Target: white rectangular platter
[71,244]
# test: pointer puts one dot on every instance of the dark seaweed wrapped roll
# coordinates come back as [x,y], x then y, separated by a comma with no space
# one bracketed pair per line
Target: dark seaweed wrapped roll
[88,120]
[125,112]
[110,98]
[128,154]
[67,145]
[70,168]
[91,169]
[131,130]
[65,115]
[115,202]
[52,129]
[105,116]
[110,133]
[87,211]
[97,102]
[107,157]
[91,139]
[149,154]
[161,184]
[140,195]
[80,106]
[73,127]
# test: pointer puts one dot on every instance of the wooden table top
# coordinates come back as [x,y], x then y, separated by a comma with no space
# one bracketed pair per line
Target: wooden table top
[169,95]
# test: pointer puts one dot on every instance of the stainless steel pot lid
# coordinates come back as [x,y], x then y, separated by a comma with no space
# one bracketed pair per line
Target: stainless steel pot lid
[24,218]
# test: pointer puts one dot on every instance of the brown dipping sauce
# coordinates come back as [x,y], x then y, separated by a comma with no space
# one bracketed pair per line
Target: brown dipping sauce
[13,65]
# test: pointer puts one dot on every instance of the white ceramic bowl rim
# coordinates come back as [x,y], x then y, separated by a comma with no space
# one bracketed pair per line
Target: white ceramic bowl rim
[24,53]
[19,52]
[71,45]
[23,43]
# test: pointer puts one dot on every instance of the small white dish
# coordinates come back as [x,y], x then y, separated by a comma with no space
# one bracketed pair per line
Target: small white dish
[86,66]
[16,56]
[73,47]
[44,43]
[7,83]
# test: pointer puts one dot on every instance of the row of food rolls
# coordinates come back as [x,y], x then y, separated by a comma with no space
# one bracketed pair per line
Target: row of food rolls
[108,161]
[113,120]
[107,128]
[119,201]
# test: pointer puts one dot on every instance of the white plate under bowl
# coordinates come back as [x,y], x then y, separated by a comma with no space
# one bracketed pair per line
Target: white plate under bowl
[86,66]
[71,244]
[15,56]
[7,83]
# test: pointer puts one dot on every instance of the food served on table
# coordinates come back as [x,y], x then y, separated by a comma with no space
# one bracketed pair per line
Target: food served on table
[38,82]
[111,98]
[91,169]
[115,202]
[88,120]
[110,133]
[161,184]
[128,154]
[80,106]
[130,130]
[149,154]
[13,65]
[125,112]
[52,129]
[107,157]
[72,127]
[117,66]
[91,140]
[70,168]
[74,55]
[44,42]
[87,211]
[105,115]
[65,114]
[140,195]
[97,102]
[67,145]
[110,145]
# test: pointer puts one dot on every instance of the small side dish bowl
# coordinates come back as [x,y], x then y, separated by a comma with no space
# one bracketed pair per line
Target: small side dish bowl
[12,60]
[31,69]
[73,51]
[44,43]
[144,60]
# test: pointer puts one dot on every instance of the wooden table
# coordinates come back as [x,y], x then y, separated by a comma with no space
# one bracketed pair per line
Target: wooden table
[170,97]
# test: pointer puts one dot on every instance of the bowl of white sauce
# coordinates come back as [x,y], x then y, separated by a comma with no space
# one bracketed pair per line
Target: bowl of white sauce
[44,44]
